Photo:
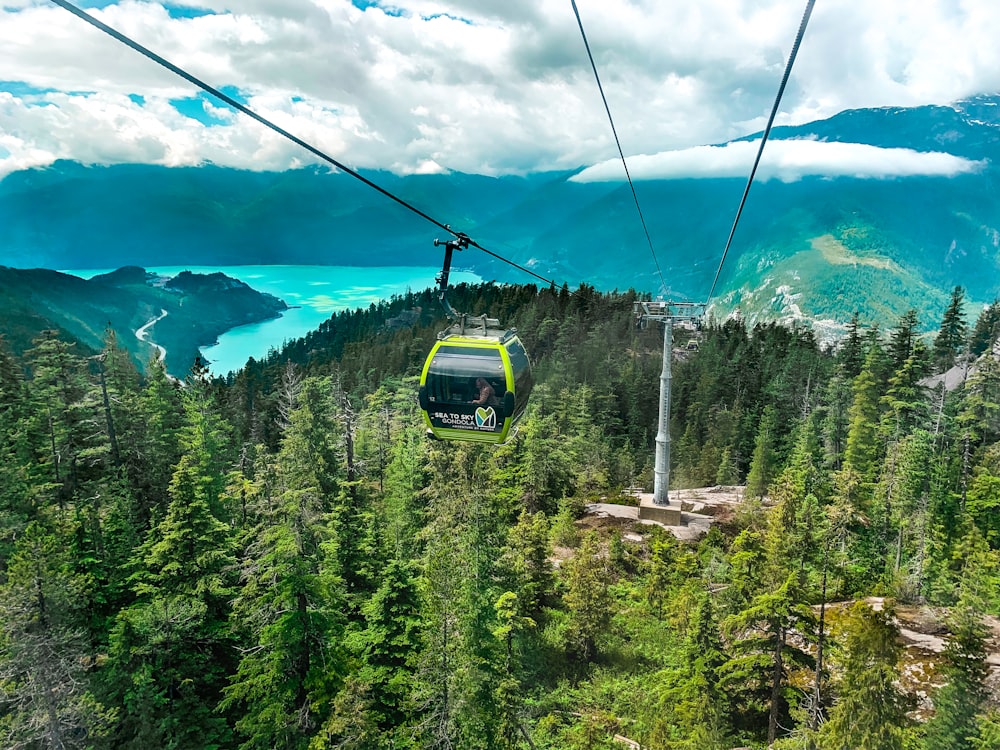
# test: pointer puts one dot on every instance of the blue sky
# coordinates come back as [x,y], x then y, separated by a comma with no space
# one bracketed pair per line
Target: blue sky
[484,86]
[204,107]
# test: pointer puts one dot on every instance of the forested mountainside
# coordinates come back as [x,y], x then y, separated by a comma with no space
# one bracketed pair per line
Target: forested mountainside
[282,559]
[191,310]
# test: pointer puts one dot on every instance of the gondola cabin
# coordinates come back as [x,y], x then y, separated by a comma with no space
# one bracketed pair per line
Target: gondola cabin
[456,404]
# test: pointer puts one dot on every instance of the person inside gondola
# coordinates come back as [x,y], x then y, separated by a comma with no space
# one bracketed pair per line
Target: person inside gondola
[487,396]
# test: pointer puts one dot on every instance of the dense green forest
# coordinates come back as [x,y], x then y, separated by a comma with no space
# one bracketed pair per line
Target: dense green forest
[282,559]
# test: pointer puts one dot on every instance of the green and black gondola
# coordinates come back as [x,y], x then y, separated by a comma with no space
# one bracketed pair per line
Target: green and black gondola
[452,402]
[477,377]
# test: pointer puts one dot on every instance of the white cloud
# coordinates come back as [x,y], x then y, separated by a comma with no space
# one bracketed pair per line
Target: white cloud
[785,160]
[489,86]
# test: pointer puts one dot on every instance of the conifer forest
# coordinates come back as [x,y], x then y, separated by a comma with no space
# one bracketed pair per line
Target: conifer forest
[283,559]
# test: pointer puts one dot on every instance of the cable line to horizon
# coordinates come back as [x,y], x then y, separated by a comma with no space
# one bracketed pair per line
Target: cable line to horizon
[763,140]
[621,153]
[177,70]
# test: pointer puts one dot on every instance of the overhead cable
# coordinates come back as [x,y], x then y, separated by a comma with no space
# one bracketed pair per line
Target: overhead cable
[76,11]
[621,153]
[763,140]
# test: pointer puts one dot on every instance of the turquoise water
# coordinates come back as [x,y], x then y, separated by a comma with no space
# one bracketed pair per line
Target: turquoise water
[313,293]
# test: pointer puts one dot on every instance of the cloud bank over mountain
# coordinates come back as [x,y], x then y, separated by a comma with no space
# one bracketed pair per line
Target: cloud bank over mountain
[785,160]
[493,88]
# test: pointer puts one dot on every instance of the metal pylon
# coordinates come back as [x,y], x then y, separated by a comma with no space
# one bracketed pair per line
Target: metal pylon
[667,313]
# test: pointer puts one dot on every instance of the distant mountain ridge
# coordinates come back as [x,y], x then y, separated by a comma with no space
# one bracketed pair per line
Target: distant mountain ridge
[198,308]
[817,249]
[968,128]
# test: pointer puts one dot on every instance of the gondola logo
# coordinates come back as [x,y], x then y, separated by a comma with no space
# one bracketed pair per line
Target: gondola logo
[486,418]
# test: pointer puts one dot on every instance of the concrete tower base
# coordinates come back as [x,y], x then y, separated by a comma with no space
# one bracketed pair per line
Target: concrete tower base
[668,515]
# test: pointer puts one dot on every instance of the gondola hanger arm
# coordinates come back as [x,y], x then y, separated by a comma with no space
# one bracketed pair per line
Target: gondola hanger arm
[459,242]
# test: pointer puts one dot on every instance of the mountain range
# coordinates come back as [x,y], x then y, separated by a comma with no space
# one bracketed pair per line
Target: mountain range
[818,249]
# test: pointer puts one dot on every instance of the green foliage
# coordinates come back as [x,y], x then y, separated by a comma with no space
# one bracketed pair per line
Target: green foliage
[280,559]
[862,447]
[903,494]
[980,417]
[702,705]
[291,602]
[165,672]
[958,702]
[169,652]
[986,330]
[587,598]
[989,732]
[983,499]
[388,645]
[869,712]
[904,340]
[951,337]
[763,460]
[526,557]
[763,652]
[43,657]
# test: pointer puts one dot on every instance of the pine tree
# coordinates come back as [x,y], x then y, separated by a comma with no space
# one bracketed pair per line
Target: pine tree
[905,403]
[983,500]
[903,340]
[388,645]
[747,563]
[986,330]
[989,731]
[790,542]
[870,712]
[763,653]
[702,705]
[525,564]
[11,378]
[837,400]
[66,411]
[904,492]
[292,599]
[509,691]
[545,462]
[170,652]
[958,702]
[442,611]
[762,464]
[459,664]
[43,651]
[123,536]
[851,354]
[119,381]
[18,504]
[862,433]
[405,507]
[154,449]
[587,598]
[727,473]
[979,418]
[951,338]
